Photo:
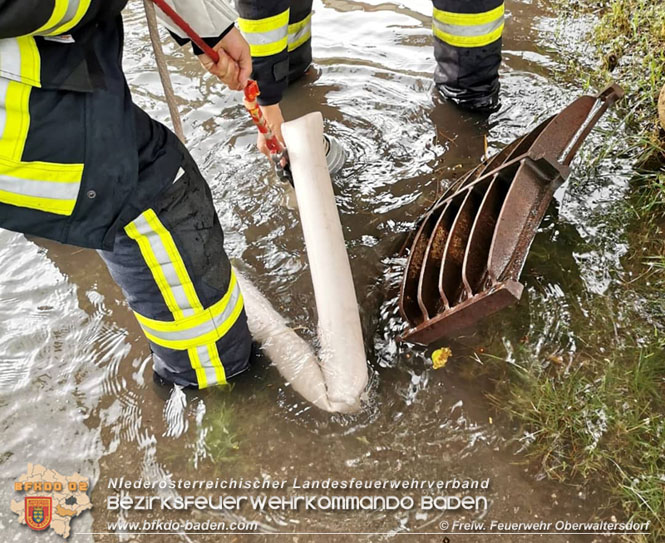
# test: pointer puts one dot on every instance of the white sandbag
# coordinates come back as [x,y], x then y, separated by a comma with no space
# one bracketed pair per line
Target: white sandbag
[342,355]
[292,355]
[336,380]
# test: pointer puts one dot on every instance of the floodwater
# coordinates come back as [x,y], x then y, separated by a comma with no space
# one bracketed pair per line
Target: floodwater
[76,390]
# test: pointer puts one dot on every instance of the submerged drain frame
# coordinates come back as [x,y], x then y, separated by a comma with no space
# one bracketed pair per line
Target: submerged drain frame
[469,249]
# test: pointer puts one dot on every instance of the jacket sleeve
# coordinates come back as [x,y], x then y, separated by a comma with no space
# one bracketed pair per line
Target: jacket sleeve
[265,25]
[210,19]
[41,17]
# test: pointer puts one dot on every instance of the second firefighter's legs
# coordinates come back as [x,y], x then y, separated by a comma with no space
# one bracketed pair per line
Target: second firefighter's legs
[467,48]
[171,264]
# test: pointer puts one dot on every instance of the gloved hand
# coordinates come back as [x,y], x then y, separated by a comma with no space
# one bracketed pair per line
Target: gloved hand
[235,61]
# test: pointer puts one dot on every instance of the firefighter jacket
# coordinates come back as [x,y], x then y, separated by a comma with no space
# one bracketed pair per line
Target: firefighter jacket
[78,159]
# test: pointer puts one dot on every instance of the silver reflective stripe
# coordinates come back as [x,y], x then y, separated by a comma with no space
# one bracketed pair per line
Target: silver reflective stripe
[266,38]
[4,85]
[39,189]
[203,328]
[300,34]
[206,364]
[72,7]
[469,30]
[165,263]
[10,59]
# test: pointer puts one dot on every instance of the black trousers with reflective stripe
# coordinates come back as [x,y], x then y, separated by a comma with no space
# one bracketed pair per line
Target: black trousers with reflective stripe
[466,74]
[172,267]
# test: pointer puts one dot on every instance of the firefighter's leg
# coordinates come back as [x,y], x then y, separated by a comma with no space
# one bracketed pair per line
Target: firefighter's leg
[467,48]
[279,34]
[171,264]
[300,38]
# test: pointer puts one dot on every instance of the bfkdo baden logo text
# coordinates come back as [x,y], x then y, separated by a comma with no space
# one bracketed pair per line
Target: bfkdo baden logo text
[51,500]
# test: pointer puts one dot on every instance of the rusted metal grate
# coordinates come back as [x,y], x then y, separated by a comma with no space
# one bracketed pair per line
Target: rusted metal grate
[468,252]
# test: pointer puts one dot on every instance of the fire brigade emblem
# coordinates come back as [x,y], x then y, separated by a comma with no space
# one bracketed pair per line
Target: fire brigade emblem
[38,512]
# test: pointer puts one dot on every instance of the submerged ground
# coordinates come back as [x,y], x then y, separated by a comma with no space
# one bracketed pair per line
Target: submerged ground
[545,400]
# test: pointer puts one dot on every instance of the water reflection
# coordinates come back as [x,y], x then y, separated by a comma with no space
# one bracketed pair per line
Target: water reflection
[75,373]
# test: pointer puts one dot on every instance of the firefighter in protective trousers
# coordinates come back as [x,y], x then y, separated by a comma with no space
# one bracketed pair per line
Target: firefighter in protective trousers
[81,164]
[467,49]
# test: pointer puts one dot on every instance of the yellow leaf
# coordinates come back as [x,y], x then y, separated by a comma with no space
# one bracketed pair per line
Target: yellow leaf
[440,357]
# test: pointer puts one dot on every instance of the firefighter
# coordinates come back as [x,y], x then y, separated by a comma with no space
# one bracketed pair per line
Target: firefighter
[467,48]
[81,164]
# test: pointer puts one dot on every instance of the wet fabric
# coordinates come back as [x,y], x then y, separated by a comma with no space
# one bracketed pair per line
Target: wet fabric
[77,166]
[80,163]
[467,48]
[279,34]
[171,264]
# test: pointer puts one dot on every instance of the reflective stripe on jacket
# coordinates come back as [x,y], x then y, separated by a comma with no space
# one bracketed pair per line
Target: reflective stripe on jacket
[75,165]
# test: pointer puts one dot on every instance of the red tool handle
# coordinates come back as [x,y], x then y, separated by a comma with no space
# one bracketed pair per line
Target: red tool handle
[251,92]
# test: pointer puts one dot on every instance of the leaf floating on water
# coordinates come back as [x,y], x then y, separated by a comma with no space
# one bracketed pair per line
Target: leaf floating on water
[440,357]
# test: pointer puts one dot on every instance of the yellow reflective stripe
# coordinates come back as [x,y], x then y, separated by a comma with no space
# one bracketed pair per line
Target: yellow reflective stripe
[188,323]
[469,19]
[268,36]
[48,187]
[469,41]
[155,268]
[257,26]
[80,12]
[24,184]
[266,50]
[468,29]
[300,32]
[195,361]
[213,352]
[30,61]
[209,337]
[207,365]
[19,60]
[15,102]
[42,171]
[297,27]
[295,44]
[58,207]
[176,260]
[202,350]
[59,11]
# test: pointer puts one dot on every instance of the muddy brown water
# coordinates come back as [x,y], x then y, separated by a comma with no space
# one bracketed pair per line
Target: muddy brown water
[76,390]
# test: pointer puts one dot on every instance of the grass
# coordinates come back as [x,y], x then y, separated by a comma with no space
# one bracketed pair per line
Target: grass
[221,439]
[605,418]
[630,37]
[597,417]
